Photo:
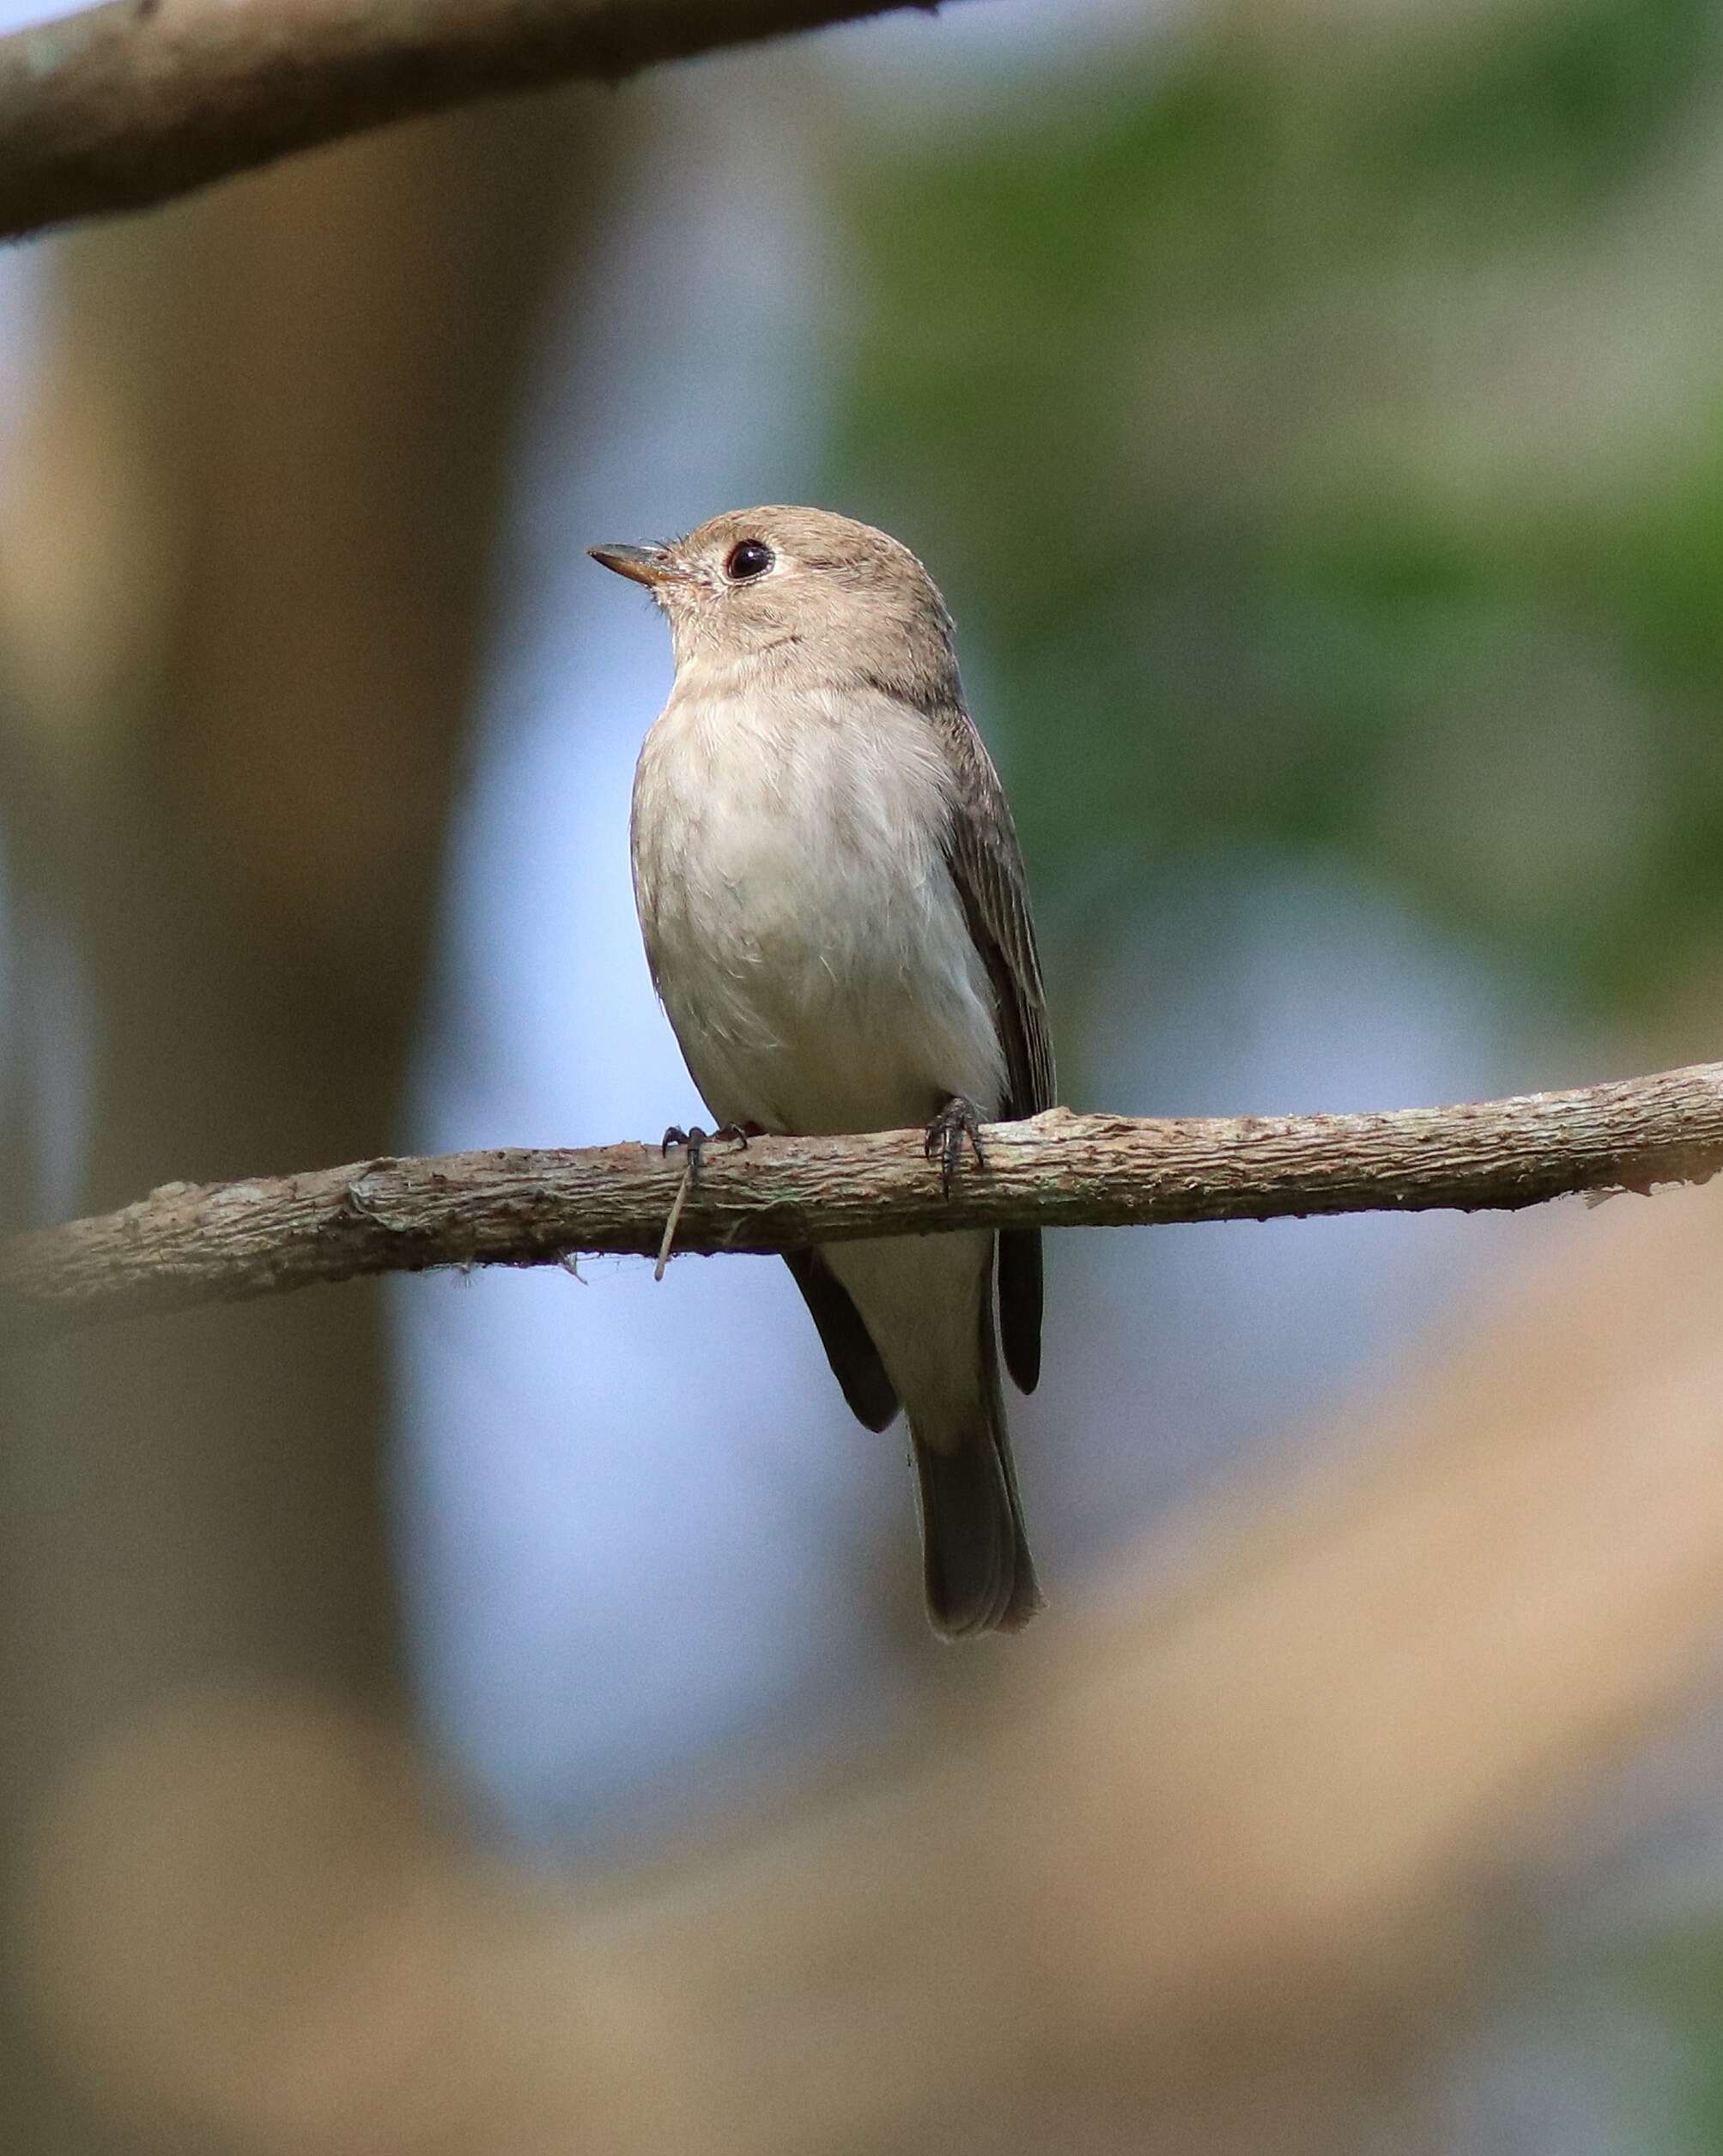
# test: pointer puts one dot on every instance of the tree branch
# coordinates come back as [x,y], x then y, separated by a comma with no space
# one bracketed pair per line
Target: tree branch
[189,1243]
[129,105]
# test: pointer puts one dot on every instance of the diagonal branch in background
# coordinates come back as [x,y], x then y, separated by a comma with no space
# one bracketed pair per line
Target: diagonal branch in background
[1246,1842]
[125,106]
[188,1244]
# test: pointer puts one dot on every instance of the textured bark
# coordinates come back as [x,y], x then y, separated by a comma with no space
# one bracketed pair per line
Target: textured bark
[130,104]
[188,1244]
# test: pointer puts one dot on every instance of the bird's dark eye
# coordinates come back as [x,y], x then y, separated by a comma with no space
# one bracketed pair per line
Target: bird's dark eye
[750,559]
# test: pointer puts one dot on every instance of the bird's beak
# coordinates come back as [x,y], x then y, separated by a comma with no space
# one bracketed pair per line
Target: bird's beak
[640,565]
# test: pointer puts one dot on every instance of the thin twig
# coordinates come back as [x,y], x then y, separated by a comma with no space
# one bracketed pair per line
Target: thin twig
[680,1200]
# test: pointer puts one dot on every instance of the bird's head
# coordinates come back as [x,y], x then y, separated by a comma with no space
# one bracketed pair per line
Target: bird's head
[804,591]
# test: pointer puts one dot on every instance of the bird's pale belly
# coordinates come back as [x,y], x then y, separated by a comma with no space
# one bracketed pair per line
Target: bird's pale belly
[816,966]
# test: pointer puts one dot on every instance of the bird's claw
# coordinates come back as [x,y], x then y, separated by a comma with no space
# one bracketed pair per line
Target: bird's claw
[958,1120]
[693,1142]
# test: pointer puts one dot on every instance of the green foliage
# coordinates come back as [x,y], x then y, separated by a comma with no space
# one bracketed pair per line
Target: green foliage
[1321,449]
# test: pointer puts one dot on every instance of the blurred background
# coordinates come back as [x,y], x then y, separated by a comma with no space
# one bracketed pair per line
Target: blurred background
[1312,414]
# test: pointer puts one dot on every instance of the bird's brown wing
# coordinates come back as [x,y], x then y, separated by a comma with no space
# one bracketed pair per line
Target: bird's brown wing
[987,868]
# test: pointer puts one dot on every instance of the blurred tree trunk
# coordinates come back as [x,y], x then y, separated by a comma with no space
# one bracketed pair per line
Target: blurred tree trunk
[245,575]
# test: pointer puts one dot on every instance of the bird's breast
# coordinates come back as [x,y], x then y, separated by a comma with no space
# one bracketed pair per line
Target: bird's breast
[799,917]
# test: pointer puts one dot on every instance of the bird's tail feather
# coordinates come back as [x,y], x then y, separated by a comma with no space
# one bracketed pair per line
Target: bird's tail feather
[979,1575]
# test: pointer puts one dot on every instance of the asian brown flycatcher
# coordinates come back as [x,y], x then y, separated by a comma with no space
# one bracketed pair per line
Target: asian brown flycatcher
[834,906]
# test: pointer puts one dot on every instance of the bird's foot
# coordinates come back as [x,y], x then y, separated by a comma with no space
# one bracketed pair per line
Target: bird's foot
[958,1120]
[693,1142]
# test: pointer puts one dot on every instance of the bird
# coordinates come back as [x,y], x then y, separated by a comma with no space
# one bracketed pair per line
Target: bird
[836,920]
